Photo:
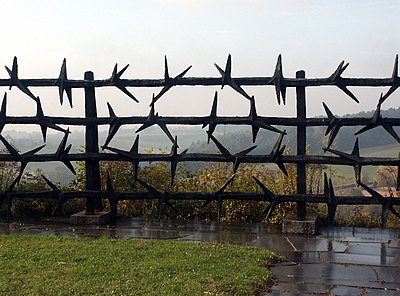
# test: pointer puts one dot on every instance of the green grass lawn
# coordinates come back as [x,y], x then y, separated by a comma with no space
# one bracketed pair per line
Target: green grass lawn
[52,265]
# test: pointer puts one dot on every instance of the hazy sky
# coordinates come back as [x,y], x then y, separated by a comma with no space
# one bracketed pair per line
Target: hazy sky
[94,35]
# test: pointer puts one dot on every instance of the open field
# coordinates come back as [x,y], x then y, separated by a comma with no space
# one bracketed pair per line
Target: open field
[44,265]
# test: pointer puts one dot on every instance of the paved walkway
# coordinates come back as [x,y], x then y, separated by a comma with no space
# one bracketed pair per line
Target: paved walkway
[338,261]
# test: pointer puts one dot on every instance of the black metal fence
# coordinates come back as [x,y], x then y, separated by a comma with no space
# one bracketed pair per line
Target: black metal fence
[92,156]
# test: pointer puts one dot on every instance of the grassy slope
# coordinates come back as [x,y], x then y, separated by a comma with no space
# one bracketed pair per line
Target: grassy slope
[42,265]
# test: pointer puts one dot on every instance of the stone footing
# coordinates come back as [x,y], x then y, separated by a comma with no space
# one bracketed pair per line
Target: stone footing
[292,225]
[98,218]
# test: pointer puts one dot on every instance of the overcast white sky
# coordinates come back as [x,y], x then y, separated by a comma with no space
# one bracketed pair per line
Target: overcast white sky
[94,35]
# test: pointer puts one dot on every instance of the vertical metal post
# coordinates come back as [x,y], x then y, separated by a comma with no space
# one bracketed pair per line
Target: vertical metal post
[301,144]
[92,146]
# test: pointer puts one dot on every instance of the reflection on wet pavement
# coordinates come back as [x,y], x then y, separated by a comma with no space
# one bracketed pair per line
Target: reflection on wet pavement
[338,261]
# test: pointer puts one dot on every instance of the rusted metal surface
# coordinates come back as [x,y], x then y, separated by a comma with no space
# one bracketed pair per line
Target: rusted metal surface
[92,156]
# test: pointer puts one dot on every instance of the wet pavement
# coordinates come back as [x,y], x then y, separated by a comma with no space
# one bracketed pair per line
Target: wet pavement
[337,261]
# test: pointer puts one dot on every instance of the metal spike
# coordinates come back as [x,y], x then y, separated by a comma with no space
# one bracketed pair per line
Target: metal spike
[239,89]
[116,80]
[164,128]
[33,151]
[253,118]
[13,73]
[277,152]
[228,80]
[40,118]
[109,185]
[278,81]
[254,132]
[376,121]
[357,171]
[246,151]
[391,131]
[8,198]
[215,196]
[228,68]
[13,152]
[55,192]
[282,167]
[63,151]
[337,80]
[131,154]
[268,127]
[221,148]
[68,163]
[332,119]
[62,79]
[326,185]
[348,92]
[395,68]
[183,73]
[332,202]
[63,143]
[14,80]
[239,156]
[333,126]
[166,74]
[278,144]
[222,72]
[271,208]
[356,149]
[394,79]
[129,94]
[226,74]
[114,125]
[45,122]
[377,114]
[135,146]
[12,185]
[333,135]
[208,201]
[148,187]
[61,200]
[174,159]
[3,115]
[253,110]
[223,187]
[354,156]
[168,81]
[212,118]
[268,195]
[170,205]
[335,75]
[152,119]
[119,73]
[386,203]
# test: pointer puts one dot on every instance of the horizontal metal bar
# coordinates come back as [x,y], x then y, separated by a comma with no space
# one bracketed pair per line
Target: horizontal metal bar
[205,81]
[310,198]
[202,157]
[173,120]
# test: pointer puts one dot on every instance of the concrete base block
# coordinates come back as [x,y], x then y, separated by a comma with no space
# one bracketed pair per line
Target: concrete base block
[98,218]
[292,225]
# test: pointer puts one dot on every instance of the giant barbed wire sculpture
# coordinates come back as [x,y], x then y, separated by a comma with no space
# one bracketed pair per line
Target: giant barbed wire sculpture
[92,156]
